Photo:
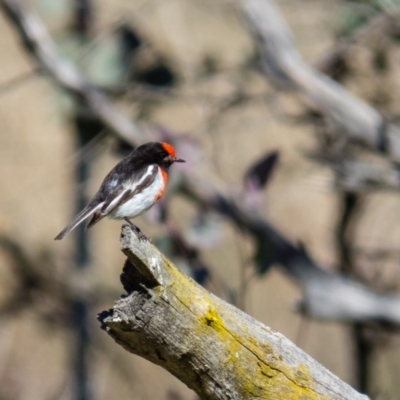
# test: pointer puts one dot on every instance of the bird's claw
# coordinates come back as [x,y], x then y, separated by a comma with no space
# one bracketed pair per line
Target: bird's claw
[139,234]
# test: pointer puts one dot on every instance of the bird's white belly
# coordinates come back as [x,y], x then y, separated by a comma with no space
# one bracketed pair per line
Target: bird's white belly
[140,202]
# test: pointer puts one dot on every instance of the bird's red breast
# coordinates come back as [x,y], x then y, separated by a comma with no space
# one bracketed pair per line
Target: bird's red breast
[164,175]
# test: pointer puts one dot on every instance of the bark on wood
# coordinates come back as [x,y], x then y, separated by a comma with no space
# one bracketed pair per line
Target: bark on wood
[214,348]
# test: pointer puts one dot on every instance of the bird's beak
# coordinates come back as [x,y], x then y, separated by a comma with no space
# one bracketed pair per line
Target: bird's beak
[178,160]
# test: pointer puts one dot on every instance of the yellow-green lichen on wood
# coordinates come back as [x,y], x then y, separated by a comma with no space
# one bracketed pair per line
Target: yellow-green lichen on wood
[272,377]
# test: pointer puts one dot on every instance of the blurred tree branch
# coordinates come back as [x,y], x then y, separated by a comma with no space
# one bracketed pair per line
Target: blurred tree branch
[32,284]
[40,46]
[385,24]
[326,295]
[356,175]
[352,118]
[285,67]
[214,348]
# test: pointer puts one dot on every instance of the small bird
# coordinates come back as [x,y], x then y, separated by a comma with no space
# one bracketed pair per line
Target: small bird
[133,186]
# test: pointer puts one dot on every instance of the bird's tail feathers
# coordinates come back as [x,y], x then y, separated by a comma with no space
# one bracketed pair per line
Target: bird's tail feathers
[85,213]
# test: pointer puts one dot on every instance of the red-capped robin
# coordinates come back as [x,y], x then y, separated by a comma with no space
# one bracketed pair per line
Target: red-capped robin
[133,186]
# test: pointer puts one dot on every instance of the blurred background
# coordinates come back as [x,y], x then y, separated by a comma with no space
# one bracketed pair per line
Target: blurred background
[188,72]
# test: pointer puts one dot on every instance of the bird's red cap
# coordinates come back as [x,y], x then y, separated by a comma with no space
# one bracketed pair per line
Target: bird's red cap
[168,148]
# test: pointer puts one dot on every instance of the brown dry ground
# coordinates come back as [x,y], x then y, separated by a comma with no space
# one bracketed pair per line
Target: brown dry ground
[37,191]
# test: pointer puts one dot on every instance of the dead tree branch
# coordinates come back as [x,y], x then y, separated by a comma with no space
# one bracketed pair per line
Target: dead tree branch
[214,348]
[284,65]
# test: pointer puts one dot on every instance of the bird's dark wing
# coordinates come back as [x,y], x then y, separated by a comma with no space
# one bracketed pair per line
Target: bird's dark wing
[128,171]
[124,193]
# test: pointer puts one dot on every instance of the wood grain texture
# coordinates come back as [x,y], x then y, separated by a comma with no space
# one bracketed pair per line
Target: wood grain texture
[214,348]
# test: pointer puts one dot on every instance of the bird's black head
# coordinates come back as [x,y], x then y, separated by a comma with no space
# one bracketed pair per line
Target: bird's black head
[160,153]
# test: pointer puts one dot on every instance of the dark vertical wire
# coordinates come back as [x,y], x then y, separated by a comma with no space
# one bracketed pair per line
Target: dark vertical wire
[82,261]
[363,348]
[82,22]
[86,129]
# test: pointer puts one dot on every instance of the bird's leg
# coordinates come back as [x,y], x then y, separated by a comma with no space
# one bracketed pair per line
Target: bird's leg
[136,229]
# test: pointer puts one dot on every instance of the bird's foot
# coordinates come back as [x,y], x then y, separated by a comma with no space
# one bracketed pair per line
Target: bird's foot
[140,235]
